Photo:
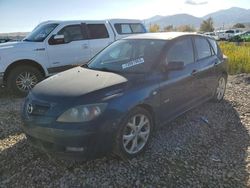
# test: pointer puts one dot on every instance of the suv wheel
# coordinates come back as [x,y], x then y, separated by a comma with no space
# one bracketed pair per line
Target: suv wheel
[134,134]
[22,79]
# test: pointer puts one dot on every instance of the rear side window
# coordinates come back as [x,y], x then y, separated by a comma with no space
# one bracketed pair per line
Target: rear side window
[72,33]
[181,50]
[126,28]
[97,31]
[214,45]
[203,48]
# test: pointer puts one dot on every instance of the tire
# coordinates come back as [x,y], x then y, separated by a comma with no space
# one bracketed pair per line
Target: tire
[22,79]
[132,139]
[220,89]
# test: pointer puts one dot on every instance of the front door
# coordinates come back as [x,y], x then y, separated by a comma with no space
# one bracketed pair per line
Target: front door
[176,86]
[74,51]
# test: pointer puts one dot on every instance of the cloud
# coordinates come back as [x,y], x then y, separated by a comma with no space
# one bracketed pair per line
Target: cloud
[194,2]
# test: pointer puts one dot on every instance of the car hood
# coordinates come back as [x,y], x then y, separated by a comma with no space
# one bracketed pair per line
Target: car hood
[75,83]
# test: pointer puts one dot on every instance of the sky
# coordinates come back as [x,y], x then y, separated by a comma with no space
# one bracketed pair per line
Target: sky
[24,15]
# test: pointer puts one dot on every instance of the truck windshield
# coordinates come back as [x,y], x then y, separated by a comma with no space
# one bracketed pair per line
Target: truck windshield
[40,33]
[128,56]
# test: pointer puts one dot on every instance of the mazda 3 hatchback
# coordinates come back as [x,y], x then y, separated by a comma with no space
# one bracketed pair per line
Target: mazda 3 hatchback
[113,103]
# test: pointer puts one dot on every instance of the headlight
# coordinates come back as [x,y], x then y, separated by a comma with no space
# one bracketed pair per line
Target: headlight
[82,113]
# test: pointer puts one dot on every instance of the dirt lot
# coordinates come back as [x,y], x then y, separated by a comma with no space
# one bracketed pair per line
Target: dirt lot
[187,152]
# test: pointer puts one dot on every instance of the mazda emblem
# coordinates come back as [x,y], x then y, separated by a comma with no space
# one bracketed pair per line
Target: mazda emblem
[30,108]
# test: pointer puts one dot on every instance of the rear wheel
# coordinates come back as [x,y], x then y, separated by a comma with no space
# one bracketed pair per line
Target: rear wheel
[21,79]
[221,88]
[134,133]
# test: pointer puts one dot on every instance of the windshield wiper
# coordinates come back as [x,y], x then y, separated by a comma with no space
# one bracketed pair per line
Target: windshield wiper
[85,65]
[104,69]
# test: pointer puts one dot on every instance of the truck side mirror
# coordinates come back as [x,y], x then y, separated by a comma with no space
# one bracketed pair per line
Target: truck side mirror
[56,39]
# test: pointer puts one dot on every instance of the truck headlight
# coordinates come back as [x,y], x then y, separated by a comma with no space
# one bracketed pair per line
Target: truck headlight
[82,113]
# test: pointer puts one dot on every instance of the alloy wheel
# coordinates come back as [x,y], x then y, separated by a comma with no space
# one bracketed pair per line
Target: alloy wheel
[136,133]
[221,88]
[26,81]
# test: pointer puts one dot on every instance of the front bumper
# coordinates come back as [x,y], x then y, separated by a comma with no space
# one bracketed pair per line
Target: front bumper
[78,144]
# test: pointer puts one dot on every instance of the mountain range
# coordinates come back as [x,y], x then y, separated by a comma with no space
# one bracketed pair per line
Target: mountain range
[222,19]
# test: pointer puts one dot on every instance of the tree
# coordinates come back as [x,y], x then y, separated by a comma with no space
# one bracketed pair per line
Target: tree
[239,25]
[154,28]
[185,28]
[168,28]
[207,25]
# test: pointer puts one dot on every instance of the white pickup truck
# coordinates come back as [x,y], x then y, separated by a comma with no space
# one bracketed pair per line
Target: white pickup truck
[227,34]
[54,46]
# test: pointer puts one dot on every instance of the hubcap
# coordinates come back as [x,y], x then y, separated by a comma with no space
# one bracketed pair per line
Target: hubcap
[221,88]
[136,133]
[26,81]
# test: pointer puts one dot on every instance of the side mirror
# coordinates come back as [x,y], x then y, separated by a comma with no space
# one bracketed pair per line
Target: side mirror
[56,39]
[175,65]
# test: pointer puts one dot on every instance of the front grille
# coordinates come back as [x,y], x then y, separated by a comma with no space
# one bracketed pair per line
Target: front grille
[39,109]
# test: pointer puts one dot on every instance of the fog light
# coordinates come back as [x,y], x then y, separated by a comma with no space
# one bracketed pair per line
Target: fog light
[75,149]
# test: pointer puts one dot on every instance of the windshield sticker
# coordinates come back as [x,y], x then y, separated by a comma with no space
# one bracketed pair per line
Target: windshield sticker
[133,63]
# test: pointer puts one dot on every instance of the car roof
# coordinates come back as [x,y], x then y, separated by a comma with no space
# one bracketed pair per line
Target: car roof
[162,35]
[108,20]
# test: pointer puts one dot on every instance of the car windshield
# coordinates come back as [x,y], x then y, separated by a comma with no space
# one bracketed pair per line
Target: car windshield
[40,33]
[128,56]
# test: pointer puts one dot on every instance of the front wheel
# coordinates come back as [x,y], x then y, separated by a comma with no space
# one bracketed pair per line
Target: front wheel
[134,133]
[22,79]
[220,89]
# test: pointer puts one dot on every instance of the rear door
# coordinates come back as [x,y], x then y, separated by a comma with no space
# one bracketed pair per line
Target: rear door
[99,36]
[207,60]
[176,86]
[74,51]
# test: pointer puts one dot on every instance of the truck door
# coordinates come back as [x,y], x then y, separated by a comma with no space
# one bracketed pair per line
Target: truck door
[100,36]
[74,50]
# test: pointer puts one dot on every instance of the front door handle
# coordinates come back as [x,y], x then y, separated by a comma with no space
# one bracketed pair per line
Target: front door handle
[194,72]
[85,46]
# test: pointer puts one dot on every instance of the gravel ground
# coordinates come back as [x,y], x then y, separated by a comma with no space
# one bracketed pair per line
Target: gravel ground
[188,152]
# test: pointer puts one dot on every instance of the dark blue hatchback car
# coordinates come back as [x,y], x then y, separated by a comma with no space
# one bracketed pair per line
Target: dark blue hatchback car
[112,104]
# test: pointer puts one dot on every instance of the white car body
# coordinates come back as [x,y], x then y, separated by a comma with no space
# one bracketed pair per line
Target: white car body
[58,57]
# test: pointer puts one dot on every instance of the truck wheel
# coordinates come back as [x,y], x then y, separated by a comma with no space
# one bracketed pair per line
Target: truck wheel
[21,79]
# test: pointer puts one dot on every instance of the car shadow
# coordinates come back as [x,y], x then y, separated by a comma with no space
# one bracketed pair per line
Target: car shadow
[205,147]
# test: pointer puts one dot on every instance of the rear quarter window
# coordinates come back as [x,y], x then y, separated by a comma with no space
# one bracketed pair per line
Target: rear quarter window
[214,46]
[129,28]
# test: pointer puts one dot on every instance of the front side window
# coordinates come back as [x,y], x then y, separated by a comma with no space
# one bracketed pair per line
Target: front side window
[203,48]
[128,28]
[181,51]
[72,33]
[97,31]
[134,55]
[40,33]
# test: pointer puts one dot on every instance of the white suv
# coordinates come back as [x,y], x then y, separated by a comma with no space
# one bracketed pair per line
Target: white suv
[54,46]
